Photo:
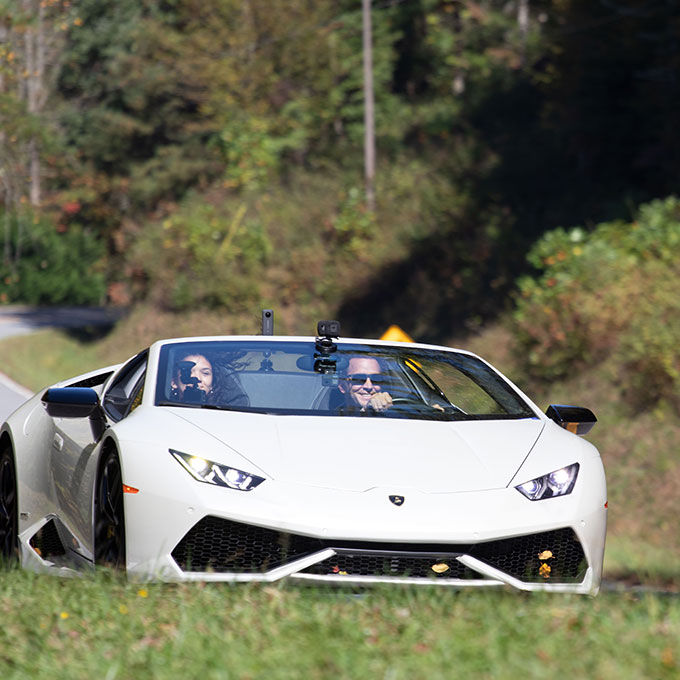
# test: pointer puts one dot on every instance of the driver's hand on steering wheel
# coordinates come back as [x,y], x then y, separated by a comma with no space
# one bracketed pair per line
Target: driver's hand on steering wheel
[380,401]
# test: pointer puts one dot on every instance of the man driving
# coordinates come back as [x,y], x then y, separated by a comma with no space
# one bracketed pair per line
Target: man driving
[363,386]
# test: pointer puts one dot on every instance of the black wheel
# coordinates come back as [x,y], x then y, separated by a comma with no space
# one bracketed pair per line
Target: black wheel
[9,526]
[109,521]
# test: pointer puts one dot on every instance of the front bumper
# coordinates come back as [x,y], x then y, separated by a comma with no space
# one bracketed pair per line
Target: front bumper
[475,539]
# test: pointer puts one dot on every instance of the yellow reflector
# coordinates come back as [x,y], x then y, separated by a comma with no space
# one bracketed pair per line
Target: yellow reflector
[440,568]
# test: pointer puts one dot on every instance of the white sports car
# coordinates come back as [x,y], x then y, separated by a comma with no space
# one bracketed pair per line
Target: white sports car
[257,458]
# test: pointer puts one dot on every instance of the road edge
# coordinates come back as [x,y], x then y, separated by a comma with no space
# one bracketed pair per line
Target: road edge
[19,389]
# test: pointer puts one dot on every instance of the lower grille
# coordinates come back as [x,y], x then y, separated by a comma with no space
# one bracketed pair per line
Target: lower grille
[520,556]
[220,545]
[224,546]
[391,564]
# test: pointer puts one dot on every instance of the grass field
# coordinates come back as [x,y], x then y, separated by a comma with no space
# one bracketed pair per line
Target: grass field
[99,626]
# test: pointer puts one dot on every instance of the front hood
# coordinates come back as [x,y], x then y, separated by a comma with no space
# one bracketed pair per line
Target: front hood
[358,454]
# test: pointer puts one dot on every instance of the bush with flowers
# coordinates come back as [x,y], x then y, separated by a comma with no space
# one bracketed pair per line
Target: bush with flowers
[613,292]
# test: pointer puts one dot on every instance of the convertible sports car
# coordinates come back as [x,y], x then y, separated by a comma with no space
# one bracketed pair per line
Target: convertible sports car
[326,460]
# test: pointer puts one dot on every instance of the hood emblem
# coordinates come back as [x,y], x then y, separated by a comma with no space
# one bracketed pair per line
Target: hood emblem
[397,500]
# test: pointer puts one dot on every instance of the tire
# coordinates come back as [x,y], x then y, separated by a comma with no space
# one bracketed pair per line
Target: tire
[9,508]
[109,522]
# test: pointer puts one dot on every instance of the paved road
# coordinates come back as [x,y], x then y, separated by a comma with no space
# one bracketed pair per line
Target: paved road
[19,320]
[11,396]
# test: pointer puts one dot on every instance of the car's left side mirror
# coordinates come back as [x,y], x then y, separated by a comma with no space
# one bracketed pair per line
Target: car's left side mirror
[71,402]
[576,419]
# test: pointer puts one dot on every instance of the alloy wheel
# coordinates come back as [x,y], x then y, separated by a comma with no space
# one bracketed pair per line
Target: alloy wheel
[109,538]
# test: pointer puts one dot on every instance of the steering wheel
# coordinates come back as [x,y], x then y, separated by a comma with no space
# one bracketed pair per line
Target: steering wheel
[407,400]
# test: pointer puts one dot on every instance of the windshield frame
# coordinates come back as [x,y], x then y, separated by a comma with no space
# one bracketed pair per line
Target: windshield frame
[500,390]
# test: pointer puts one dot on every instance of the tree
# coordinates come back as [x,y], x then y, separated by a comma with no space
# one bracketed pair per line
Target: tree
[31,42]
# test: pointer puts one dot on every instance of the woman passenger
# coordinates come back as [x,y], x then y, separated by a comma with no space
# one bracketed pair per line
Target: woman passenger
[198,380]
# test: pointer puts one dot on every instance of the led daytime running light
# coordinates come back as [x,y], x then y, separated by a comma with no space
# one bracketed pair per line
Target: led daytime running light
[557,483]
[209,472]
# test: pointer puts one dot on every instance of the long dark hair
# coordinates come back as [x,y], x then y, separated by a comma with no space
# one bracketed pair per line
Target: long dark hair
[226,388]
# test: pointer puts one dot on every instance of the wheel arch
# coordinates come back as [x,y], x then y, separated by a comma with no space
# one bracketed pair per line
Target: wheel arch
[12,526]
[108,446]
[6,441]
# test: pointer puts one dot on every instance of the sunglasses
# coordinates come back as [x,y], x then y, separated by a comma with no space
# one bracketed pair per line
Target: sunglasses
[358,379]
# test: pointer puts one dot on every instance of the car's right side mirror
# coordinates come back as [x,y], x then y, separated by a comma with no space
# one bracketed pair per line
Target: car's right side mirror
[576,419]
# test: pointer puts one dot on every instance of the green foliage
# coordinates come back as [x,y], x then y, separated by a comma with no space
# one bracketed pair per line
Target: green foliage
[614,290]
[301,248]
[207,256]
[129,107]
[48,264]
[251,153]
[150,100]
[650,345]
[354,225]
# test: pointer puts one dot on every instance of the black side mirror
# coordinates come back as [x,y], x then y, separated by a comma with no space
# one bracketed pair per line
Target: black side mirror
[76,402]
[70,402]
[576,419]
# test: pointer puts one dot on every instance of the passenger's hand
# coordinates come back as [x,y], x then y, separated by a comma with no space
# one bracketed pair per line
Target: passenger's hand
[380,401]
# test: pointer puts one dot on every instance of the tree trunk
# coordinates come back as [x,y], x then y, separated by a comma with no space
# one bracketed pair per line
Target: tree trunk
[35,46]
[369,119]
[523,25]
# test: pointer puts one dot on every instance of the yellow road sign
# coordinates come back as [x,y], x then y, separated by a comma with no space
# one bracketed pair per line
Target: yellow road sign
[395,334]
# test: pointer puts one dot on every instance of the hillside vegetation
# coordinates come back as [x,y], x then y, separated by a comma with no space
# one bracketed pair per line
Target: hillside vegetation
[191,155]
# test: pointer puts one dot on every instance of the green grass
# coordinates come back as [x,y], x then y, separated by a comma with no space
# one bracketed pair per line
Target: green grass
[49,356]
[98,626]
[634,561]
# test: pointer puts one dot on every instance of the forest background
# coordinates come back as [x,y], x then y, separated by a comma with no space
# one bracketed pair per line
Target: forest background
[197,161]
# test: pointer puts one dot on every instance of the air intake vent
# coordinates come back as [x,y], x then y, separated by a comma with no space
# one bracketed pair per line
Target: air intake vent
[46,541]
[221,545]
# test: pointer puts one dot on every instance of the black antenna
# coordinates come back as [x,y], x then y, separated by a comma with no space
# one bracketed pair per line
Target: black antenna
[267,322]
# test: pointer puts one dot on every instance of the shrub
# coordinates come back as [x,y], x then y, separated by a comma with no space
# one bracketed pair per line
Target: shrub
[612,292]
[50,264]
[204,256]
[650,347]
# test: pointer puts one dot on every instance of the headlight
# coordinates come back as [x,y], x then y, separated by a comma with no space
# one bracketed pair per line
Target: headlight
[213,473]
[557,483]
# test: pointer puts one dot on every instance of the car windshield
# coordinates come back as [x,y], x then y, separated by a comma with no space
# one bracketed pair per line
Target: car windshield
[334,379]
